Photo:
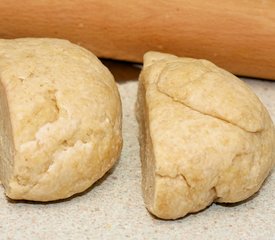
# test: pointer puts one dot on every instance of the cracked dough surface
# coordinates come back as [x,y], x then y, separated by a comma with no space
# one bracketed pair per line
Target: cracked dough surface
[205,136]
[60,119]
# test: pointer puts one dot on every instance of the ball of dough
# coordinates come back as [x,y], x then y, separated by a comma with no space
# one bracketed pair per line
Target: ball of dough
[205,136]
[60,125]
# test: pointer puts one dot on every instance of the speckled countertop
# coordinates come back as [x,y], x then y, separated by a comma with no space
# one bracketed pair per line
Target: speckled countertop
[113,208]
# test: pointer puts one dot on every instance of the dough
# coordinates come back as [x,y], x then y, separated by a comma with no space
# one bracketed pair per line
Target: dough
[205,136]
[60,125]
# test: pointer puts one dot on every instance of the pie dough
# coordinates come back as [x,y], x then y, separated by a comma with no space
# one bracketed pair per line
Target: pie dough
[60,119]
[205,136]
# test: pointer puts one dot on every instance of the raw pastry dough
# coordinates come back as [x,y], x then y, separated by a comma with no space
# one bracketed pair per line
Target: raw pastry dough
[60,123]
[204,136]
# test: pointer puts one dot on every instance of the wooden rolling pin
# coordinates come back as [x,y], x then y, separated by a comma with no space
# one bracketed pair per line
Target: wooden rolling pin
[238,35]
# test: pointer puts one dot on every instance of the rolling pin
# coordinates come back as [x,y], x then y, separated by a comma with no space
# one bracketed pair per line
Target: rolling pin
[238,35]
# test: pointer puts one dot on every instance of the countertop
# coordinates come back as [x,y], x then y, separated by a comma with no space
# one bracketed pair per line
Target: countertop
[113,208]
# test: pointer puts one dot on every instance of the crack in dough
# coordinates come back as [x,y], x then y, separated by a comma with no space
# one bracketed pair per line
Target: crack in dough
[203,113]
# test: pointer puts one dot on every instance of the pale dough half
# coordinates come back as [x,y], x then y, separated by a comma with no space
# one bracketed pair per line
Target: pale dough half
[204,136]
[60,122]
